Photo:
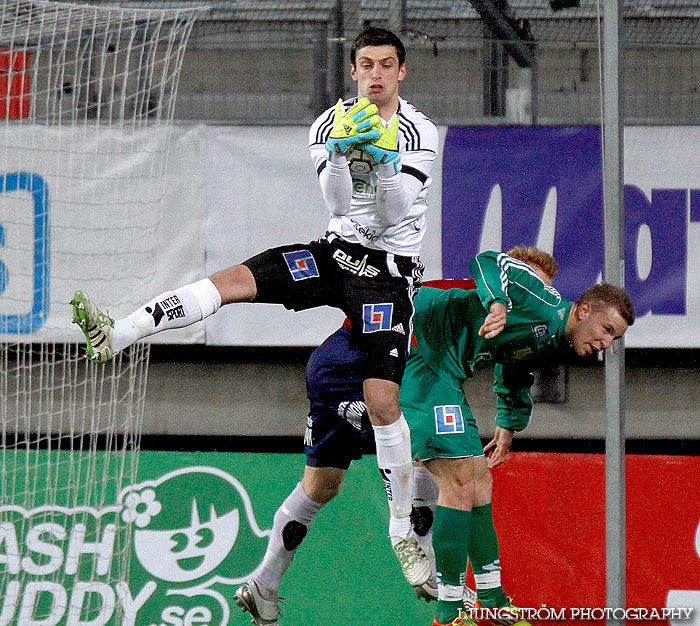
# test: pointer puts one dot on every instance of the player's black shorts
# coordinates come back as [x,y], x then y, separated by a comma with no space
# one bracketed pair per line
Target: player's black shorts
[373,288]
[338,429]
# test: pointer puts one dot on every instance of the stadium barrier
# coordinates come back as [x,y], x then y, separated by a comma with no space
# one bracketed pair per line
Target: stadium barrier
[199,524]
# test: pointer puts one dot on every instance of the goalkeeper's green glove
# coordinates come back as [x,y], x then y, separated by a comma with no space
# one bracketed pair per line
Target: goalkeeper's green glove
[350,130]
[386,149]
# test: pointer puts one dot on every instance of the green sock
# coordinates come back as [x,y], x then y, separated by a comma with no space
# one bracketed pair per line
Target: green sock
[483,554]
[450,542]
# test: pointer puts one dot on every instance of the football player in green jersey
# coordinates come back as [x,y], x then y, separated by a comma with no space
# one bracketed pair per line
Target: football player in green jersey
[515,323]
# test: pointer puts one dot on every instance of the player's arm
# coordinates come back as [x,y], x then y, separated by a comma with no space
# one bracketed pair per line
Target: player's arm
[333,172]
[331,137]
[401,179]
[513,400]
[501,278]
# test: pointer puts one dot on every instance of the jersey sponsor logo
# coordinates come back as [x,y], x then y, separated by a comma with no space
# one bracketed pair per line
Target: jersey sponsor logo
[363,189]
[522,353]
[540,330]
[448,419]
[368,233]
[355,266]
[376,317]
[301,264]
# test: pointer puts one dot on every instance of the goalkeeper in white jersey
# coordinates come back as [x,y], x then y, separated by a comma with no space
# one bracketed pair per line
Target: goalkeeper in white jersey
[373,156]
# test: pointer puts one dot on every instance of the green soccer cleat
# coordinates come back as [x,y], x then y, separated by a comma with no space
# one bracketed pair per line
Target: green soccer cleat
[414,562]
[98,327]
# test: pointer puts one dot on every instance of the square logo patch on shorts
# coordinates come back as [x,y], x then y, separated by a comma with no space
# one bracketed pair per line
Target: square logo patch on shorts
[448,419]
[376,317]
[301,264]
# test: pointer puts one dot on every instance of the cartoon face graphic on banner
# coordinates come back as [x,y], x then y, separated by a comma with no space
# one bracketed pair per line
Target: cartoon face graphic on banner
[193,536]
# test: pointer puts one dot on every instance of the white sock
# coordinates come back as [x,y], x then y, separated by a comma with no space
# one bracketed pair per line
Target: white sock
[490,579]
[425,494]
[394,460]
[291,523]
[451,593]
[172,309]
[425,491]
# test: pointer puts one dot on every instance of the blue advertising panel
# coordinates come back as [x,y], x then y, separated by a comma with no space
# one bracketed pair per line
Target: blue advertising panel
[38,259]
[544,186]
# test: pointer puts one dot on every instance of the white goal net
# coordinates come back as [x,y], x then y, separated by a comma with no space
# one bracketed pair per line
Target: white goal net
[86,102]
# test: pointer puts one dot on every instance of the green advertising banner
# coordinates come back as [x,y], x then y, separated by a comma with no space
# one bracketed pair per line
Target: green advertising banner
[196,526]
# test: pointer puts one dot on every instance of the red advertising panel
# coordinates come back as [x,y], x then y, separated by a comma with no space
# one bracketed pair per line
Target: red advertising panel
[15,84]
[550,515]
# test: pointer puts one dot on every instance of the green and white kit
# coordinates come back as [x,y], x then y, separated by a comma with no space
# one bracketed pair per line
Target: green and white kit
[448,350]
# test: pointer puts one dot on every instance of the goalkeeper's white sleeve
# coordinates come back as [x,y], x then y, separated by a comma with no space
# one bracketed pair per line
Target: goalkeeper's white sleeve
[396,194]
[336,185]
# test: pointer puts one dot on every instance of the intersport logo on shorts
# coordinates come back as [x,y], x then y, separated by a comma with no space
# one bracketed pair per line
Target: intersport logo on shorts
[193,538]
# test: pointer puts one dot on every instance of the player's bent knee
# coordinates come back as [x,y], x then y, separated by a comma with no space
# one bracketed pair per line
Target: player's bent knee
[382,400]
[324,494]
[484,485]
[322,484]
[457,494]
[467,489]
[235,284]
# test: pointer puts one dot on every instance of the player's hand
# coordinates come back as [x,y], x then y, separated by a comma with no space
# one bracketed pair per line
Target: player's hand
[385,150]
[495,321]
[340,141]
[361,117]
[500,446]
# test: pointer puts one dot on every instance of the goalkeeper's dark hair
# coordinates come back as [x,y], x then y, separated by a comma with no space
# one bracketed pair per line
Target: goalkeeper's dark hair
[377,37]
[605,294]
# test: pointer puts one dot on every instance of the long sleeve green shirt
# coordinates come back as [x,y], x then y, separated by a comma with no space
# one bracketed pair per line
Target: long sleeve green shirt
[447,322]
